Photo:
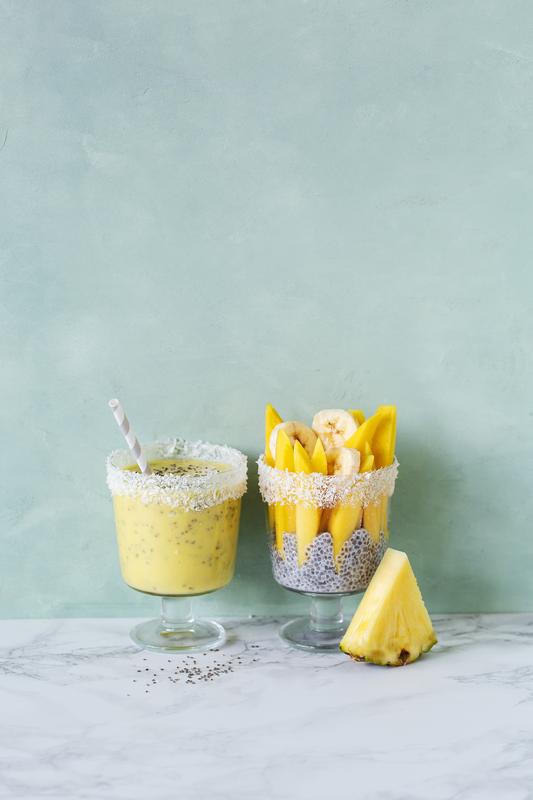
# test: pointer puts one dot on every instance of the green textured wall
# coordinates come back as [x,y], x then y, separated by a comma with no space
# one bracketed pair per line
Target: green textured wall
[208,205]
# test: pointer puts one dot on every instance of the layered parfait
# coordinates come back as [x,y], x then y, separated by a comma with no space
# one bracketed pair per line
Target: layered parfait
[327,488]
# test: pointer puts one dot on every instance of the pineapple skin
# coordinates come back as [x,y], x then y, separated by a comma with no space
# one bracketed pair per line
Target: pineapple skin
[401,660]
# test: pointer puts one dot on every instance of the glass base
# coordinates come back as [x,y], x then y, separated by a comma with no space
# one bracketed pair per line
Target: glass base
[201,634]
[177,630]
[322,630]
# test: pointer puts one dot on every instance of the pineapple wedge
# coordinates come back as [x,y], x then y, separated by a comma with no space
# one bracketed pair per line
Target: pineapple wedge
[391,626]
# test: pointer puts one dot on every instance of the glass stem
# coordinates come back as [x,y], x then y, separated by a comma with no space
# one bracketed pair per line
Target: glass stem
[176,613]
[326,613]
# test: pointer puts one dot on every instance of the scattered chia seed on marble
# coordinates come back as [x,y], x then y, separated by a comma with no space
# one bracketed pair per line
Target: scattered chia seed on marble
[190,670]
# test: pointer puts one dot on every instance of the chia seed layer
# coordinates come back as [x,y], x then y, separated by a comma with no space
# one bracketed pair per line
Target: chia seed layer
[356,563]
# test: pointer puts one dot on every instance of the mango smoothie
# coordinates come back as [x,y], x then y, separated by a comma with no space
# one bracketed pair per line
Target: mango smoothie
[177,529]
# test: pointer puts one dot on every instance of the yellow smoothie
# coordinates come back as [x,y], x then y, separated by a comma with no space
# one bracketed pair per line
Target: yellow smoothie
[167,550]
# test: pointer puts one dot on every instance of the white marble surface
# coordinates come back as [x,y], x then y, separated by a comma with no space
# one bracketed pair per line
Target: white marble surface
[282,725]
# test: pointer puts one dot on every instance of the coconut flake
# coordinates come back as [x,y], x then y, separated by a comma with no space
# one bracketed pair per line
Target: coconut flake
[188,492]
[325,491]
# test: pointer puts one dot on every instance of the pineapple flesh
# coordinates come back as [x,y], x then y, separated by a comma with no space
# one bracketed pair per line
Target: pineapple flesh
[391,626]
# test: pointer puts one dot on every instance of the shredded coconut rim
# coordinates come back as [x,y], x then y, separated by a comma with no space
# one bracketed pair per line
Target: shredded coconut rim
[188,492]
[325,491]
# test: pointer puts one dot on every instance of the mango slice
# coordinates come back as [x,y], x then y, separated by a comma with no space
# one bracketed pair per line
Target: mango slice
[272,418]
[367,463]
[365,433]
[343,521]
[384,438]
[307,517]
[372,516]
[357,414]
[319,462]
[284,515]
[385,515]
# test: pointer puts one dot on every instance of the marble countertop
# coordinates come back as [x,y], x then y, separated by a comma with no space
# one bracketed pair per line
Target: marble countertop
[86,715]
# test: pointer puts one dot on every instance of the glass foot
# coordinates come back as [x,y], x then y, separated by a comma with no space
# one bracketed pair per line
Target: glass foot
[300,633]
[322,630]
[177,631]
[201,634]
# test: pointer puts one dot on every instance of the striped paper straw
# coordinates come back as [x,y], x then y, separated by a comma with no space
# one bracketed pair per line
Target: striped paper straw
[131,439]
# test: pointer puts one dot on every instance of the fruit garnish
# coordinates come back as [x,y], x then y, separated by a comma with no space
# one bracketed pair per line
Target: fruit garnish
[365,432]
[343,461]
[284,452]
[302,461]
[357,414]
[372,516]
[377,435]
[319,461]
[367,463]
[391,625]
[342,521]
[295,431]
[307,517]
[384,525]
[334,426]
[272,418]
[384,439]
[284,516]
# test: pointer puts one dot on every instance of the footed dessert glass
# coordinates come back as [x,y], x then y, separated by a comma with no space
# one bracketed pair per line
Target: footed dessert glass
[177,529]
[327,536]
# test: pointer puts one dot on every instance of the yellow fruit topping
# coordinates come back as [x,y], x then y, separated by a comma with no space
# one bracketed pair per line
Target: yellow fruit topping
[307,516]
[368,444]
[385,515]
[319,462]
[284,514]
[367,463]
[384,439]
[372,516]
[343,521]
[272,418]
[365,433]
[357,414]
[377,435]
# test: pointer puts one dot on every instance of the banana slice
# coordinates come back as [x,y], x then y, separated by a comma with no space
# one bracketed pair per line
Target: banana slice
[334,426]
[297,432]
[343,461]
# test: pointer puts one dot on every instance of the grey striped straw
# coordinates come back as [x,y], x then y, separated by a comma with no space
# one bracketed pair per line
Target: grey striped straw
[131,439]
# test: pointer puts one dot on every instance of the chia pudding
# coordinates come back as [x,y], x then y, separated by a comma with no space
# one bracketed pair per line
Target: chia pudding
[321,572]
[340,531]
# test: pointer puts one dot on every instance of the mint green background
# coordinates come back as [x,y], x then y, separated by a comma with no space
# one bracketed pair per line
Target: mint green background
[208,205]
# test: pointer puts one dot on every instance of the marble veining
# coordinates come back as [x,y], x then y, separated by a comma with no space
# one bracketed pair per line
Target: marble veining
[84,714]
